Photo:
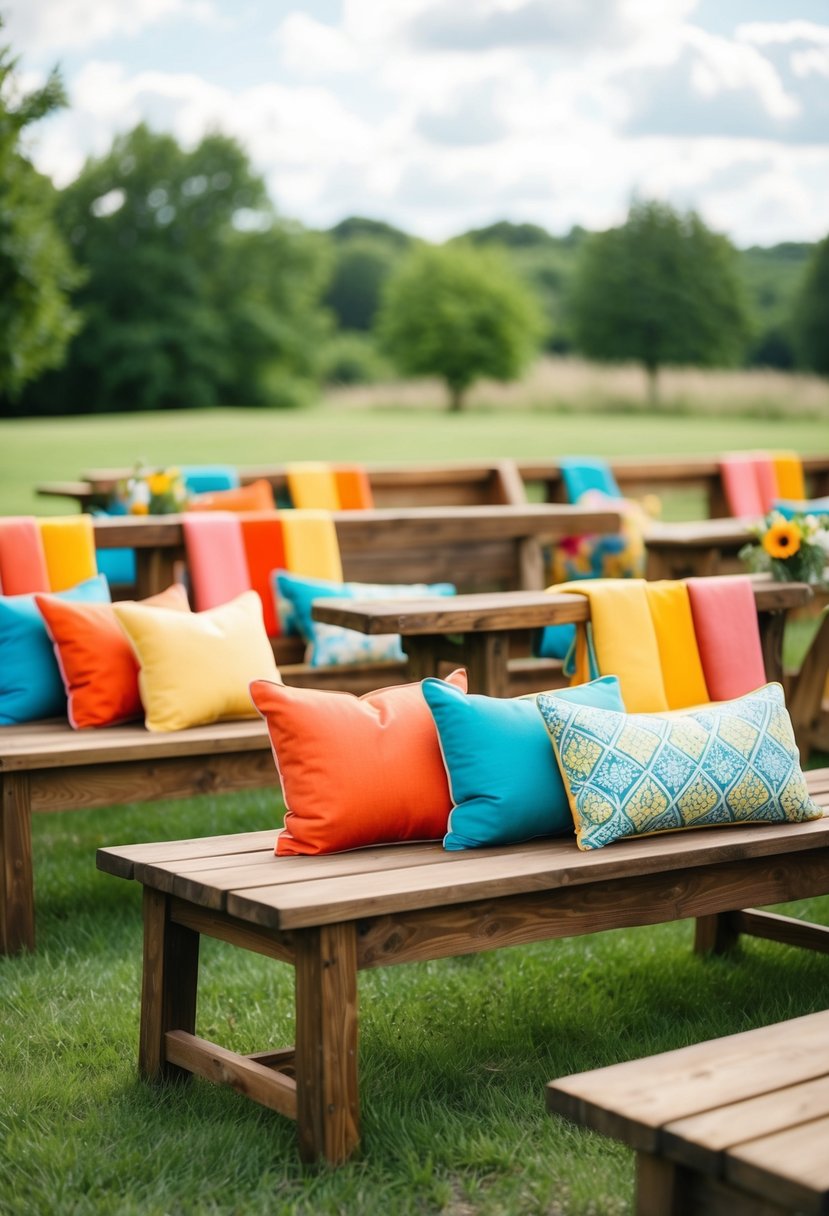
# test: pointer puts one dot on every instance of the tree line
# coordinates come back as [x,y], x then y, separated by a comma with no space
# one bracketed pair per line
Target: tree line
[164,278]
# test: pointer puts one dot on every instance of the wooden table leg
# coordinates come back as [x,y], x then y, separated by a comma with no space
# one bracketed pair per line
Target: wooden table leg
[168,991]
[17,899]
[328,1104]
[658,1187]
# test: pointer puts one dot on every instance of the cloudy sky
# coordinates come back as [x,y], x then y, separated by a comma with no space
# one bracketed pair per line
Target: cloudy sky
[441,115]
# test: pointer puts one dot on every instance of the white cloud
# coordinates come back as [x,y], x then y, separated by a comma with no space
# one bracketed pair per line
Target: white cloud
[53,26]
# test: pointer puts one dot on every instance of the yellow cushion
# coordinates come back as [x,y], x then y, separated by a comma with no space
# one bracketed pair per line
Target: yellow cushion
[69,549]
[196,667]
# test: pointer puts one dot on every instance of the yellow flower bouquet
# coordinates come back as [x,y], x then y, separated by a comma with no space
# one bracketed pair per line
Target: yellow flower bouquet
[152,492]
[792,549]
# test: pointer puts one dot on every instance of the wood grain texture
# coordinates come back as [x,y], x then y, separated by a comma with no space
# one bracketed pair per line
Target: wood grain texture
[248,1077]
[17,912]
[168,991]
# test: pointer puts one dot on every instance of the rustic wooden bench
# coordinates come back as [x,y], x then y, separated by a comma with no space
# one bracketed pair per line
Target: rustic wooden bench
[637,476]
[332,916]
[46,766]
[729,1127]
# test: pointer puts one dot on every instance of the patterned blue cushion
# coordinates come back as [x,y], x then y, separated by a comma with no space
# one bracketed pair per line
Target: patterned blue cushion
[331,645]
[637,774]
[502,774]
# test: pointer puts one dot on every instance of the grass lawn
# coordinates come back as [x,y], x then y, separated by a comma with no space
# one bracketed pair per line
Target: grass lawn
[454,1054]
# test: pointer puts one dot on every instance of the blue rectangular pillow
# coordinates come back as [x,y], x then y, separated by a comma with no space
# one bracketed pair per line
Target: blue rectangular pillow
[331,645]
[503,778]
[31,686]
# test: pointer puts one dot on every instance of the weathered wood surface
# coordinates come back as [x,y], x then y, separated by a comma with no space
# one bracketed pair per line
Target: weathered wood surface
[750,1111]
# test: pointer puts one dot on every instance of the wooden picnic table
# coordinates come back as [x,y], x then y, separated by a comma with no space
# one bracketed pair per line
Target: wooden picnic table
[473,630]
[729,1127]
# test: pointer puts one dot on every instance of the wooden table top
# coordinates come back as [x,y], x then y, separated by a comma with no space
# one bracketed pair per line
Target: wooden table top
[750,1108]
[500,610]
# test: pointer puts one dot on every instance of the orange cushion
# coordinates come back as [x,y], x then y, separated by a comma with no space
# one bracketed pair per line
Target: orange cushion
[22,560]
[264,547]
[95,658]
[257,496]
[353,487]
[355,771]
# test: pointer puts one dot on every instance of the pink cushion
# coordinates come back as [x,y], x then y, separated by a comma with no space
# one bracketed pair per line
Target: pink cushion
[22,560]
[740,485]
[766,478]
[728,635]
[215,558]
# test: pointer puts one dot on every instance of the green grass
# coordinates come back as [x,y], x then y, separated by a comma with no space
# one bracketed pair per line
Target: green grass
[454,1054]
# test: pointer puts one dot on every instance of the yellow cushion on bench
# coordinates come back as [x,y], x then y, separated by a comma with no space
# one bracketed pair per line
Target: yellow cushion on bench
[96,661]
[355,771]
[196,667]
[638,774]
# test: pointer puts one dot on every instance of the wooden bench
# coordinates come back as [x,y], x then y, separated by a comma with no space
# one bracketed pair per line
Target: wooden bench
[730,1127]
[332,916]
[459,483]
[637,476]
[46,766]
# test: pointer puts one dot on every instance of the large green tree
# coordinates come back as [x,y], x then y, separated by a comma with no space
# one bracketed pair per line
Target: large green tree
[36,269]
[459,313]
[197,294]
[811,313]
[660,290]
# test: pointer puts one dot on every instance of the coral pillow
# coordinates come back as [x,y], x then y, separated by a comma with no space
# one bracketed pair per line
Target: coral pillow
[355,771]
[256,496]
[96,662]
[196,667]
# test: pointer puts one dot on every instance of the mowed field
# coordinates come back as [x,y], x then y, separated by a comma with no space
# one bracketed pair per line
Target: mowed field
[563,407]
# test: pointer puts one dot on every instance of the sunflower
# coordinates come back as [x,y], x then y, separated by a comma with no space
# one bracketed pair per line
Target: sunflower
[782,539]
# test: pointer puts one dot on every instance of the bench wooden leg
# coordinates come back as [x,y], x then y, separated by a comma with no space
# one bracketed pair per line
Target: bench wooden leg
[328,1106]
[17,898]
[715,934]
[658,1187]
[168,992]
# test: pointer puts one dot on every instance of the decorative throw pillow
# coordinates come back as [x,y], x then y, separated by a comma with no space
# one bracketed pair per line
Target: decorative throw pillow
[30,682]
[330,645]
[637,774]
[196,666]
[95,660]
[255,496]
[355,771]
[503,778]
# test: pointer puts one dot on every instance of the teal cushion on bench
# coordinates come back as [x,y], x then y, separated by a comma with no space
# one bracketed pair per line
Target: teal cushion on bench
[30,681]
[503,779]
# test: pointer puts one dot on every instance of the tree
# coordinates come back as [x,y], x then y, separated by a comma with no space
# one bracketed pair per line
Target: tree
[459,313]
[660,290]
[362,265]
[811,313]
[196,295]
[36,270]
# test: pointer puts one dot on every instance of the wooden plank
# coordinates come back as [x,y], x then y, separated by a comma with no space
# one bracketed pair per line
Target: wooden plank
[122,859]
[515,871]
[17,911]
[790,1167]
[168,991]
[273,943]
[785,929]
[253,1080]
[328,1103]
[633,1100]
[700,1140]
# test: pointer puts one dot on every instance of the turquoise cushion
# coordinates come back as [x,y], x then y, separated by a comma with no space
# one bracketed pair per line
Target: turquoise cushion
[30,682]
[502,774]
[810,506]
[330,645]
[205,478]
[637,774]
